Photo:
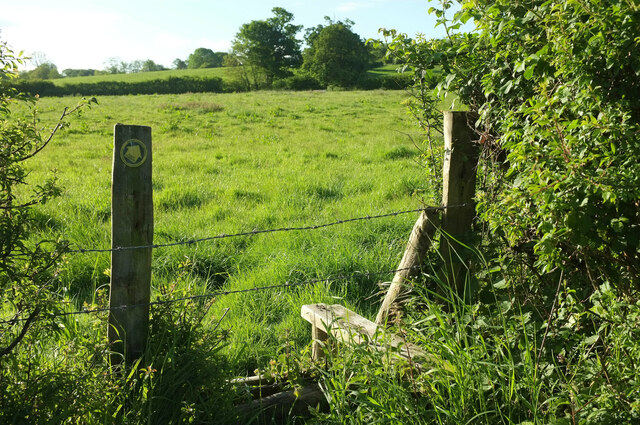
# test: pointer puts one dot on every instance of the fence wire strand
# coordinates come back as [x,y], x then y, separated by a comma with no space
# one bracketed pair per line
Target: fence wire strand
[258,232]
[209,295]
[238,291]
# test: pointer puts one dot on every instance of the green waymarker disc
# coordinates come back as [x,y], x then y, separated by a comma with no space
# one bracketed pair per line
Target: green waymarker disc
[133,153]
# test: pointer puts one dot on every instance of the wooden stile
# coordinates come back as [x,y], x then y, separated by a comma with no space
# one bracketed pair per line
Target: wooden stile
[349,327]
[459,179]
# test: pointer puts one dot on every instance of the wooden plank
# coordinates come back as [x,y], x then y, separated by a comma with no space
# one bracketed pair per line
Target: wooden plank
[349,327]
[131,225]
[319,338]
[279,407]
[410,266]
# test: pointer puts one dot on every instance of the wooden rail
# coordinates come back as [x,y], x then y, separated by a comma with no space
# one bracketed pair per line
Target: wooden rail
[347,326]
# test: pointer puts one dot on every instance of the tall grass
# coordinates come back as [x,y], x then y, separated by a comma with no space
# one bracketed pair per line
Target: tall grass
[481,369]
[234,163]
[497,358]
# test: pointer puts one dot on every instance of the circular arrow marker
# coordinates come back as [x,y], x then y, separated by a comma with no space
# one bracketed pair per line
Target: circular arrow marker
[133,153]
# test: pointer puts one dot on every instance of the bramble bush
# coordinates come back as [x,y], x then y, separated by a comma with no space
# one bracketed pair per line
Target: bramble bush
[556,85]
[556,88]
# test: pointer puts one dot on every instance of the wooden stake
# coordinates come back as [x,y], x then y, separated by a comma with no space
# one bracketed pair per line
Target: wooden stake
[131,225]
[411,263]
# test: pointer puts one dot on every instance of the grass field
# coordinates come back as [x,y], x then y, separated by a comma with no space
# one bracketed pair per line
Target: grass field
[226,73]
[227,163]
[144,76]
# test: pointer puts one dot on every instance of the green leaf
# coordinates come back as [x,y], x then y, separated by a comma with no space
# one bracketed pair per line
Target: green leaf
[591,340]
[501,284]
[528,74]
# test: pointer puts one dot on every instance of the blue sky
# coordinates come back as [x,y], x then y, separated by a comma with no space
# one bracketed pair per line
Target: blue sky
[85,33]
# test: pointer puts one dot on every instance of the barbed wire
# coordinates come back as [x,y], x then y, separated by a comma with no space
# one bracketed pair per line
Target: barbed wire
[217,294]
[250,233]
[258,232]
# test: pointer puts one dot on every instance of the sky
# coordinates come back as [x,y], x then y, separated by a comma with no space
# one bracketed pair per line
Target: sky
[81,34]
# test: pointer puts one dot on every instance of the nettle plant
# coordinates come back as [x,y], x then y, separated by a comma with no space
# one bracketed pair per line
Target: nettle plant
[557,88]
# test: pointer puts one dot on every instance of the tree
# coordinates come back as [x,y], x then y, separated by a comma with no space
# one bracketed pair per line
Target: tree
[44,71]
[205,58]
[133,67]
[336,55]
[39,58]
[269,47]
[115,65]
[179,64]
[150,66]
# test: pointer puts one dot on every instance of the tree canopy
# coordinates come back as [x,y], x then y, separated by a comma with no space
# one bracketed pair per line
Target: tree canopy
[179,64]
[205,58]
[269,47]
[26,270]
[44,71]
[336,55]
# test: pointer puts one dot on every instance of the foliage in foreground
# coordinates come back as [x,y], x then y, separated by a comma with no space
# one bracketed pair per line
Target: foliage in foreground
[556,87]
[552,333]
[54,368]
[27,270]
[489,367]
[62,375]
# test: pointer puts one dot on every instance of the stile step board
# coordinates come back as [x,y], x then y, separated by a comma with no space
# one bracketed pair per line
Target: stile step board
[349,327]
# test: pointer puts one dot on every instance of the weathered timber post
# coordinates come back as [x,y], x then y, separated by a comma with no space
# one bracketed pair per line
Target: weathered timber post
[131,225]
[411,263]
[459,184]
[459,175]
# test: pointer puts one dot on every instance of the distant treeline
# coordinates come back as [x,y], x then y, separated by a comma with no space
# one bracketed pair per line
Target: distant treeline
[178,85]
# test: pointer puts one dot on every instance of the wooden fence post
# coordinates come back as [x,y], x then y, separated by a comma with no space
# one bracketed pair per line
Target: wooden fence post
[459,183]
[459,175]
[131,225]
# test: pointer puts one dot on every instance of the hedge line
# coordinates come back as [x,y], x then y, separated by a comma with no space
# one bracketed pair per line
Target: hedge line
[171,85]
[389,82]
[178,85]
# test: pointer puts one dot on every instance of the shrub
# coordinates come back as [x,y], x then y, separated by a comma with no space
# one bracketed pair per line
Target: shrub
[297,82]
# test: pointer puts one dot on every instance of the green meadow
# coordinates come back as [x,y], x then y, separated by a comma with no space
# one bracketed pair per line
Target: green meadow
[225,73]
[229,163]
[229,74]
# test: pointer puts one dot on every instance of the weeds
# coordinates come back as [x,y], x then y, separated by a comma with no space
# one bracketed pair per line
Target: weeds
[496,362]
